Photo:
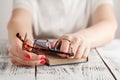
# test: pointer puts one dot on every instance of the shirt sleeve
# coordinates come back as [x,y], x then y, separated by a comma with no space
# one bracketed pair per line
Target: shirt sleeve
[32,7]
[96,3]
[25,4]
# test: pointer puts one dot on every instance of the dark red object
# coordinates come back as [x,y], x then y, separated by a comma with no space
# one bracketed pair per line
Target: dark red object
[43,46]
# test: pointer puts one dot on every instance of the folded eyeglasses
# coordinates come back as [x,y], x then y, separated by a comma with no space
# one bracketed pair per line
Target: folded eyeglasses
[43,45]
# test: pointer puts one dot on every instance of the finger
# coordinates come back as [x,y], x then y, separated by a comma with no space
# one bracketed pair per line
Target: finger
[29,42]
[9,54]
[53,43]
[87,50]
[18,53]
[57,44]
[73,47]
[12,58]
[27,55]
[30,55]
[20,61]
[28,45]
[15,62]
[65,46]
[34,56]
[66,37]
[80,51]
[16,48]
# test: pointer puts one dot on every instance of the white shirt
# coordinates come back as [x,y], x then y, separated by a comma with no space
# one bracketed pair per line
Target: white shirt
[53,18]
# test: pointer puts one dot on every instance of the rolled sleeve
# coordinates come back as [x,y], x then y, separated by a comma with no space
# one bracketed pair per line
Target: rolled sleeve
[25,4]
[97,3]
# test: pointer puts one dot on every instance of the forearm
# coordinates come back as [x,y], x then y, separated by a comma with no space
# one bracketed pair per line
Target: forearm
[18,27]
[19,24]
[100,33]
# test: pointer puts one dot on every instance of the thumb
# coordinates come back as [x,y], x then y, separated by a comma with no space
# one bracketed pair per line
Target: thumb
[53,43]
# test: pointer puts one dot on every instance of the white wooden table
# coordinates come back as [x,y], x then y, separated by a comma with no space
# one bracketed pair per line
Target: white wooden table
[103,64]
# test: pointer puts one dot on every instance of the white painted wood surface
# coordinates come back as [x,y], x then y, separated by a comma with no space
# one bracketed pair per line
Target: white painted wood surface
[111,55]
[11,72]
[94,69]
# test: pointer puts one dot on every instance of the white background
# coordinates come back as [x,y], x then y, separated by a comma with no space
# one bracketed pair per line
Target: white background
[6,9]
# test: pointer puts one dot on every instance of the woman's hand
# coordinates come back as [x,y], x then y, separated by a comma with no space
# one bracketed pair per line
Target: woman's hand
[24,58]
[73,43]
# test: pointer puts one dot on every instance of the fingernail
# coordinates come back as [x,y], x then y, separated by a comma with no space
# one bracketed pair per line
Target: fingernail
[42,62]
[27,56]
[43,57]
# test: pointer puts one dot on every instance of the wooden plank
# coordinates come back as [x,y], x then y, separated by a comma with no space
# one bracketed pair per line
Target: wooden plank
[94,69]
[111,55]
[3,48]
[11,72]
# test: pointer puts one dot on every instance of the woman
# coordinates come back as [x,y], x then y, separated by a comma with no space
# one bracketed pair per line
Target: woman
[82,24]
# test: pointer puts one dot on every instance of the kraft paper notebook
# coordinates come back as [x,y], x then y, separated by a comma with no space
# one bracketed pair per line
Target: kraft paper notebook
[54,60]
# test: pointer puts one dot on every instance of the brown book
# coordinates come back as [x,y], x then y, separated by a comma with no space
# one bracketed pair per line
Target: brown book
[52,60]
[56,60]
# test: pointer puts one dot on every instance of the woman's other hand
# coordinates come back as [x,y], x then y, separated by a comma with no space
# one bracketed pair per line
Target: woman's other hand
[73,43]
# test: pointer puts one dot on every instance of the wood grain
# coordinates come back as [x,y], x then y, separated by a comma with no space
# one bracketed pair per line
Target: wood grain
[94,69]
[11,72]
[111,55]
